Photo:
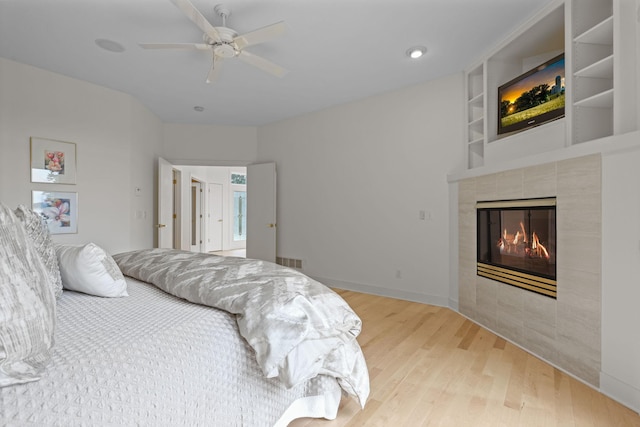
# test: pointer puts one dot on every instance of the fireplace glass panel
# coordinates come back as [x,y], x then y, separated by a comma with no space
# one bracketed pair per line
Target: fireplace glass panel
[520,240]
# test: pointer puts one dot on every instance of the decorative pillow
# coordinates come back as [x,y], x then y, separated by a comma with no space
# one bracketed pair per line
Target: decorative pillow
[89,269]
[38,231]
[27,305]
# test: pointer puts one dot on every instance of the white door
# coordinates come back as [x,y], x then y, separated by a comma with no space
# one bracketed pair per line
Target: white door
[261,211]
[215,217]
[165,204]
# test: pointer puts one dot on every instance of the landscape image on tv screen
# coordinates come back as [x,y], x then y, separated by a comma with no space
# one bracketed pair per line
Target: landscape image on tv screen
[534,98]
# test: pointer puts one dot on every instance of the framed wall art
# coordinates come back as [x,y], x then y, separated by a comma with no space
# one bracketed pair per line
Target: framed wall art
[59,210]
[53,161]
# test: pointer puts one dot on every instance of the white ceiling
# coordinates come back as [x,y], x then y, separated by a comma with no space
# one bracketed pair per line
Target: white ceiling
[336,51]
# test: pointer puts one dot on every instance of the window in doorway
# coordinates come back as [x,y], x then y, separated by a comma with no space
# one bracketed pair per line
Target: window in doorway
[237,178]
[239,215]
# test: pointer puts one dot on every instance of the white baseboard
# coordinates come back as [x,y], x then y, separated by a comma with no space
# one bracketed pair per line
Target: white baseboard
[620,391]
[385,292]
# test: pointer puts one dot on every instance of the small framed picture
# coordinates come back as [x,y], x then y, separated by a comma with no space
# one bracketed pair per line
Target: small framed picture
[52,161]
[59,210]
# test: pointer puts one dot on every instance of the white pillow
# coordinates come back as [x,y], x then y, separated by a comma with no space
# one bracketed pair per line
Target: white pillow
[89,269]
[38,231]
[27,305]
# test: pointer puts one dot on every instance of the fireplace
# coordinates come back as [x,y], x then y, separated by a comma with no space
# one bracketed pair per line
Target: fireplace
[517,243]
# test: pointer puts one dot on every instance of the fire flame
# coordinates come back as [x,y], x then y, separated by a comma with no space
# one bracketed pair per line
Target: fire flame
[538,248]
[508,243]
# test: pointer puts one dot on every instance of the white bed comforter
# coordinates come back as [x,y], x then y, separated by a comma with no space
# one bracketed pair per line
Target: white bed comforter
[298,327]
[155,360]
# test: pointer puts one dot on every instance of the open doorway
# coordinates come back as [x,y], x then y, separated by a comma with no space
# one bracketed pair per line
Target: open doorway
[213,207]
[243,214]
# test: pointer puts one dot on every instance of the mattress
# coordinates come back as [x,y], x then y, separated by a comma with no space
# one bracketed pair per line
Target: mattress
[153,359]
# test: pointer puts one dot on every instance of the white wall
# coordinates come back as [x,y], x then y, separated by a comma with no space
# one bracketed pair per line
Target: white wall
[620,371]
[117,143]
[146,137]
[212,145]
[352,180]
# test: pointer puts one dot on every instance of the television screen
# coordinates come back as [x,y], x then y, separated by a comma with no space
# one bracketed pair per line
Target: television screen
[534,98]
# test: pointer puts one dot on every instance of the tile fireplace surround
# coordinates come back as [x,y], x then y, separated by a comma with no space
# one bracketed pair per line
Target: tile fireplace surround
[566,331]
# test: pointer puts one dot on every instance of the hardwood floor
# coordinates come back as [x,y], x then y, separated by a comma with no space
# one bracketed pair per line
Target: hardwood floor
[242,253]
[430,366]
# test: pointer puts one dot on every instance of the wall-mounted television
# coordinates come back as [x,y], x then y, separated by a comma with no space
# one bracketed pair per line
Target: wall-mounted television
[533,98]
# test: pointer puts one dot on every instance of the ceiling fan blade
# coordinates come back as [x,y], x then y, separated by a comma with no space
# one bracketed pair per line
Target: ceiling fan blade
[194,15]
[214,70]
[260,35]
[263,64]
[187,46]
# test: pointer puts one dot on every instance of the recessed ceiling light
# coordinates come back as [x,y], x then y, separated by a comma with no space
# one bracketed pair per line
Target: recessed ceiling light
[198,108]
[416,52]
[110,45]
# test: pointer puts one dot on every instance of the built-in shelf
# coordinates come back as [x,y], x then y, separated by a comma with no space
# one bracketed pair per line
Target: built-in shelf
[601,33]
[476,154]
[600,41]
[593,70]
[477,100]
[477,124]
[542,38]
[475,107]
[599,82]
[602,69]
[599,100]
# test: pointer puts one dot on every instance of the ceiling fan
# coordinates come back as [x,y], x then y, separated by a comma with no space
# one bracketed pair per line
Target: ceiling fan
[225,43]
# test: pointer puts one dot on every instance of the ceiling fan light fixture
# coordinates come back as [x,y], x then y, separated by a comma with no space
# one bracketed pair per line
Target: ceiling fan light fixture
[416,52]
[110,45]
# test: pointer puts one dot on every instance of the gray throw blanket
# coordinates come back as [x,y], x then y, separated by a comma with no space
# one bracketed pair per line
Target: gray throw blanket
[298,327]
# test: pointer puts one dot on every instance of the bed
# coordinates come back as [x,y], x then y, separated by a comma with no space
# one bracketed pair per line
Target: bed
[178,343]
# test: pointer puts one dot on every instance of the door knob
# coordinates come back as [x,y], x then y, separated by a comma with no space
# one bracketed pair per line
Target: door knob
[161,225]
[271,225]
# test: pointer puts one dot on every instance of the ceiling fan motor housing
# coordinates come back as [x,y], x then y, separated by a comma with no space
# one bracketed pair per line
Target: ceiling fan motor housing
[225,47]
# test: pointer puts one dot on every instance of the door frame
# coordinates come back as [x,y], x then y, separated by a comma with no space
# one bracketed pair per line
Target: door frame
[177,210]
[196,219]
[165,227]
